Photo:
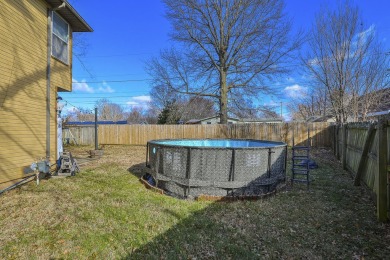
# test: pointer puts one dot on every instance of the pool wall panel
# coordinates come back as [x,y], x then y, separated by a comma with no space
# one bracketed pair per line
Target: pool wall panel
[192,171]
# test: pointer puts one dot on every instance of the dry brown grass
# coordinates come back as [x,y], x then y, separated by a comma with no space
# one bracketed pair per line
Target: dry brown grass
[104,213]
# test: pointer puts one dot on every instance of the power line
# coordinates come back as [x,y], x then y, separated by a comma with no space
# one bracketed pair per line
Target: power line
[112,75]
[68,103]
[111,81]
[79,105]
[102,93]
[121,55]
[99,97]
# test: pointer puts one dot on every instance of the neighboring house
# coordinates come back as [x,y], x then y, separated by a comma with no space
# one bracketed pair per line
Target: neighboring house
[193,122]
[377,114]
[35,64]
[314,119]
[379,102]
[382,105]
[260,120]
[211,121]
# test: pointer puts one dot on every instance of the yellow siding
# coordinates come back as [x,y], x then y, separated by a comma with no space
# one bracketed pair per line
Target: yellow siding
[60,75]
[23,63]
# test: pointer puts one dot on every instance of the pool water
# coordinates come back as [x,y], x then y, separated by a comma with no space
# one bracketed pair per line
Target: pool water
[219,143]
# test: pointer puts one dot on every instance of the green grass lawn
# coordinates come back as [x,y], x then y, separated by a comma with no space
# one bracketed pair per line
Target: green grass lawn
[105,213]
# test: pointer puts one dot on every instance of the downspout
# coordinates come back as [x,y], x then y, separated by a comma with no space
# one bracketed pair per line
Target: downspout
[48,75]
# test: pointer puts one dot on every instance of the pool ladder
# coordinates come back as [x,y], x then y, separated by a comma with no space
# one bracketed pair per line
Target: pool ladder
[300,162]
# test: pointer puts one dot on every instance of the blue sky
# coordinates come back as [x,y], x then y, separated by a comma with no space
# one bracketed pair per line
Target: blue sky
[127,33]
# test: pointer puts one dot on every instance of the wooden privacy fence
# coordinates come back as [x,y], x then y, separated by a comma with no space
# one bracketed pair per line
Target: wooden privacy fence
[84,135]
[363,149]
[321,134]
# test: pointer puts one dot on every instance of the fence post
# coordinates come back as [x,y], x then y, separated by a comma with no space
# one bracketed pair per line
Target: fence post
[381,204]
[344,148]
[333,140]
[337,137]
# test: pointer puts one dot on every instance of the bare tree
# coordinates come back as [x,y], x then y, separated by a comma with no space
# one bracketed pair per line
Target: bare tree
[249,111]
[135,116]
[80,114]
[343,59]
[375,92]
[226,48]
[269,112]
[108,110]
[151,114]
[196,108]
[310,104]
[142,115]
[185,108]
[80,48]
[162,95]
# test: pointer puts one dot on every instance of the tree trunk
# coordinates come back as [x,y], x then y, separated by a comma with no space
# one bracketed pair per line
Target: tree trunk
[224,98]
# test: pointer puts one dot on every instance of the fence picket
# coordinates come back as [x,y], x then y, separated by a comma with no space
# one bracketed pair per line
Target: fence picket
[140,134]
[363,150]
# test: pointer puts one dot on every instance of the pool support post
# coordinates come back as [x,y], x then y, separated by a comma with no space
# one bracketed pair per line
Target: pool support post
[189,171]
[270,152]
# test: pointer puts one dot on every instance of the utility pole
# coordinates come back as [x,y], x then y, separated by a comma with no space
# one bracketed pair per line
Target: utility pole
[96,129]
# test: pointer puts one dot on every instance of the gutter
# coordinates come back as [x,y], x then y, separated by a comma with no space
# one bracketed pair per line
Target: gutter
[48,74]
[76,14]
[71,15]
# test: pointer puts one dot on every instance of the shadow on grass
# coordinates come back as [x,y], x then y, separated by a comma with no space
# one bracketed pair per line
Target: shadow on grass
[206,233]
[332,220]
[137,169]
[203,235]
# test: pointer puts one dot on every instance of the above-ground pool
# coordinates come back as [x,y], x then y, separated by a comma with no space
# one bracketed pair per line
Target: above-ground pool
[219,167]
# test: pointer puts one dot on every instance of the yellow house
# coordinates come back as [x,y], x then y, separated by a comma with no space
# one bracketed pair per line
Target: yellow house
[35,64]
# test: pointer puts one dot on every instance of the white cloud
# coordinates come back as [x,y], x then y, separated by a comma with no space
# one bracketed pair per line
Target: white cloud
[369,32]
[105,88]
[69,109]
[295,91]
[139,101]
[81,86]
[272,103]
[142,98]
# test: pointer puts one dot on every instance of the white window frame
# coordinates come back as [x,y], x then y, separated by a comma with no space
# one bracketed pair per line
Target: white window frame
[59,37]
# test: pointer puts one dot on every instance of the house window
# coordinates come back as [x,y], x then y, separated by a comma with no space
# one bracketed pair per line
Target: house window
[60,39]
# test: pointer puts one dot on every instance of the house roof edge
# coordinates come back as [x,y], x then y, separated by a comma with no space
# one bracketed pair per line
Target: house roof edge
[75,20]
